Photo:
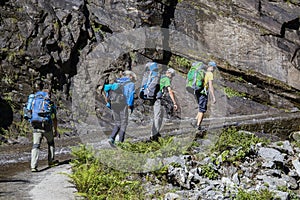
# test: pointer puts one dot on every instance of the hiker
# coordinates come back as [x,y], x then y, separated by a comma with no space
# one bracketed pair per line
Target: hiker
[165,92]
[202,95]
[120,102]
[43,128]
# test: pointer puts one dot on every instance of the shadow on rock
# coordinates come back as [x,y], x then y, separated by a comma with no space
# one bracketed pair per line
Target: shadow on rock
[60,163]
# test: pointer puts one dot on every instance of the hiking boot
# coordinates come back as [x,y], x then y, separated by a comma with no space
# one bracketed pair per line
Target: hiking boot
[200,134]
[111,142]
[34,170]
[200,128]
[155,137]
[194,124]
[53,163]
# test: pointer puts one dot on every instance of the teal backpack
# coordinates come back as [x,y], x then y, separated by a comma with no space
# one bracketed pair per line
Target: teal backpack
[195,78]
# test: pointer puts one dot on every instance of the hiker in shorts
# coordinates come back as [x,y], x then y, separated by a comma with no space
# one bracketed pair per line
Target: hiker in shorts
[165,91]
[44,129]
[202,96]
[120,110]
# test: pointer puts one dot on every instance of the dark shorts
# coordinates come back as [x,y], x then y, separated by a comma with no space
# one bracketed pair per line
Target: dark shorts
[202,102]
[46,126]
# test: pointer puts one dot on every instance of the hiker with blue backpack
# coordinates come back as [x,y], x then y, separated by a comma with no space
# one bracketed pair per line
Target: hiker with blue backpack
[120,99]
[165,94]
[41,113]
[200,83]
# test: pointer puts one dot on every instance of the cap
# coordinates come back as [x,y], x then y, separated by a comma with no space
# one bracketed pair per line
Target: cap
[212,63]
[171,71]
[130,73]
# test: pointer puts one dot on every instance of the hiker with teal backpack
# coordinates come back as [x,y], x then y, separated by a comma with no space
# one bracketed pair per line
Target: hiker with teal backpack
[200,83]
[41,112]
[165,91]
[120,98]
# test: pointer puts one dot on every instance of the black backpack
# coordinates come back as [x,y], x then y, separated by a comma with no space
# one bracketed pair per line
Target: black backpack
[116,93]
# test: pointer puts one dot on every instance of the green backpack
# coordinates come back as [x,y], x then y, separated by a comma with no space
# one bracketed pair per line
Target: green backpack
[195,77]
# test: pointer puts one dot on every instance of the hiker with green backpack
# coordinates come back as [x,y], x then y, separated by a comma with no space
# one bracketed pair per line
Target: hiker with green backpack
[200,84]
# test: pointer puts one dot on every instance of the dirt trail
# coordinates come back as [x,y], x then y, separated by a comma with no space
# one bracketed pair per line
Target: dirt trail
[47,184]
[53,184]
[18,182]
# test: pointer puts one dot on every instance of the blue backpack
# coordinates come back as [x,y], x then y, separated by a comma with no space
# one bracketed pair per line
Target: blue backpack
[150,82]
[40,108]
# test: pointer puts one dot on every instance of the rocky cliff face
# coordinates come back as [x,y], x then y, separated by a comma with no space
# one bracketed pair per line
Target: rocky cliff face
[77,44]
[261,36]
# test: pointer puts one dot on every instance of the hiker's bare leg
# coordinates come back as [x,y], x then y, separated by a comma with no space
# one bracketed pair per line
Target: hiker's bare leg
[199,118]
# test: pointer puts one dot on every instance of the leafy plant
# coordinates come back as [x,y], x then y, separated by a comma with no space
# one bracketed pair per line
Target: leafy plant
[165,146]
[180,63]
[94,180]
[233,93]
[183,62]
[209,172]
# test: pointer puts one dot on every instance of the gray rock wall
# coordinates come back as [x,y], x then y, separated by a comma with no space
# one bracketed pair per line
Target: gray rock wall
[261,36]
[54,40]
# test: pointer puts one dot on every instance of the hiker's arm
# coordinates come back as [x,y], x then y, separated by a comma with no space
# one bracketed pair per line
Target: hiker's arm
[55,126]
[212,91]
[171,92]
[54,120]
[130,98]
